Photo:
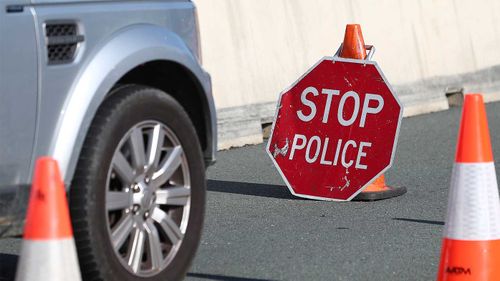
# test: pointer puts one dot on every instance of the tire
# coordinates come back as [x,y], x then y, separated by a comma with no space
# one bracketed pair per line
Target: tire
[159,204]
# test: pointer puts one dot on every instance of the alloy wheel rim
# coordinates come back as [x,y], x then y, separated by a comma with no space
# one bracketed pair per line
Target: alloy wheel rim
[148,198]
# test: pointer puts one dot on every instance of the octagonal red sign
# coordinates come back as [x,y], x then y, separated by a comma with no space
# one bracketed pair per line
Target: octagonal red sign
[335,129]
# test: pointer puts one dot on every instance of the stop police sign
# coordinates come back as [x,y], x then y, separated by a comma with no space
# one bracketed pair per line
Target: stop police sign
[335,129]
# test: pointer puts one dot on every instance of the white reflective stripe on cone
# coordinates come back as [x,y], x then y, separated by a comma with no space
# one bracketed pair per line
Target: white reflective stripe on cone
[473,203]
[53,260]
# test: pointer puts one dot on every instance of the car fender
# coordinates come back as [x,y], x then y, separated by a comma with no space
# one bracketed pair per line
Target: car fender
[130,47]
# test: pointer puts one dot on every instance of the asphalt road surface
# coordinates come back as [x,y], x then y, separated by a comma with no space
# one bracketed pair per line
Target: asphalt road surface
[256,230]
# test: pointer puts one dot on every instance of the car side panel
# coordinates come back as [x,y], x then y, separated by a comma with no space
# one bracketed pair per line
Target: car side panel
[18,94]
[18,107]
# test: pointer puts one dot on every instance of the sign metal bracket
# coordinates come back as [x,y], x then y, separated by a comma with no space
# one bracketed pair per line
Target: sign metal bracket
[370,48]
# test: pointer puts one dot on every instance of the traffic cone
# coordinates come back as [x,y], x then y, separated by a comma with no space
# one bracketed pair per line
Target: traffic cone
[354,48]
[471,244]
[354,44]
[48,250]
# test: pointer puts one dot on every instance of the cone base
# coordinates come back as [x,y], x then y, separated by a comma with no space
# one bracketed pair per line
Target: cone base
[48,260]
[388,192]
[469,260]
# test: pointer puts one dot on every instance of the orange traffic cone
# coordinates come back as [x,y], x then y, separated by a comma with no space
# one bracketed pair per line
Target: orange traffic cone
[48,250]
[354,44]
[354,48]
[471,244]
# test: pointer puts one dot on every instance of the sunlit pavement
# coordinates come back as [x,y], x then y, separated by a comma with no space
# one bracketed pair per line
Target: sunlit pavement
[256,230]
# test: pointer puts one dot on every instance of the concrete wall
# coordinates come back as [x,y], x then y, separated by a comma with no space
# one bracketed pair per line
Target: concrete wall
[256,48]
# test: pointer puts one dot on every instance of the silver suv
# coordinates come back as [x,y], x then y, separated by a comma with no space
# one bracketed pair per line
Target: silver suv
[115,92]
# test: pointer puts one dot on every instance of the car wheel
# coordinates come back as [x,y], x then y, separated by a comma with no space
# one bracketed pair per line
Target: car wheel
[138,194]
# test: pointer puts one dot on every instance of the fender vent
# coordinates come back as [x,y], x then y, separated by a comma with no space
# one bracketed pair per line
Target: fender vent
[62,42]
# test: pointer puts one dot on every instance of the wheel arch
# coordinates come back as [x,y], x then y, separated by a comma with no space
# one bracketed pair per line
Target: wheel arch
[148,48]
[177,81]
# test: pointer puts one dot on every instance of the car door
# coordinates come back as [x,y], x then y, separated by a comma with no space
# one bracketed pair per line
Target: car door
[18,91]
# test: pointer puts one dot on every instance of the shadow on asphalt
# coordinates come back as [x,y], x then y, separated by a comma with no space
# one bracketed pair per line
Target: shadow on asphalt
[8,264]
[223,277]
[420,221]
[255,189]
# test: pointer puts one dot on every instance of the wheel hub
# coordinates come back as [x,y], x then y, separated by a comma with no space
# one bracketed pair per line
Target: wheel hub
[148,198]
[144,198]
